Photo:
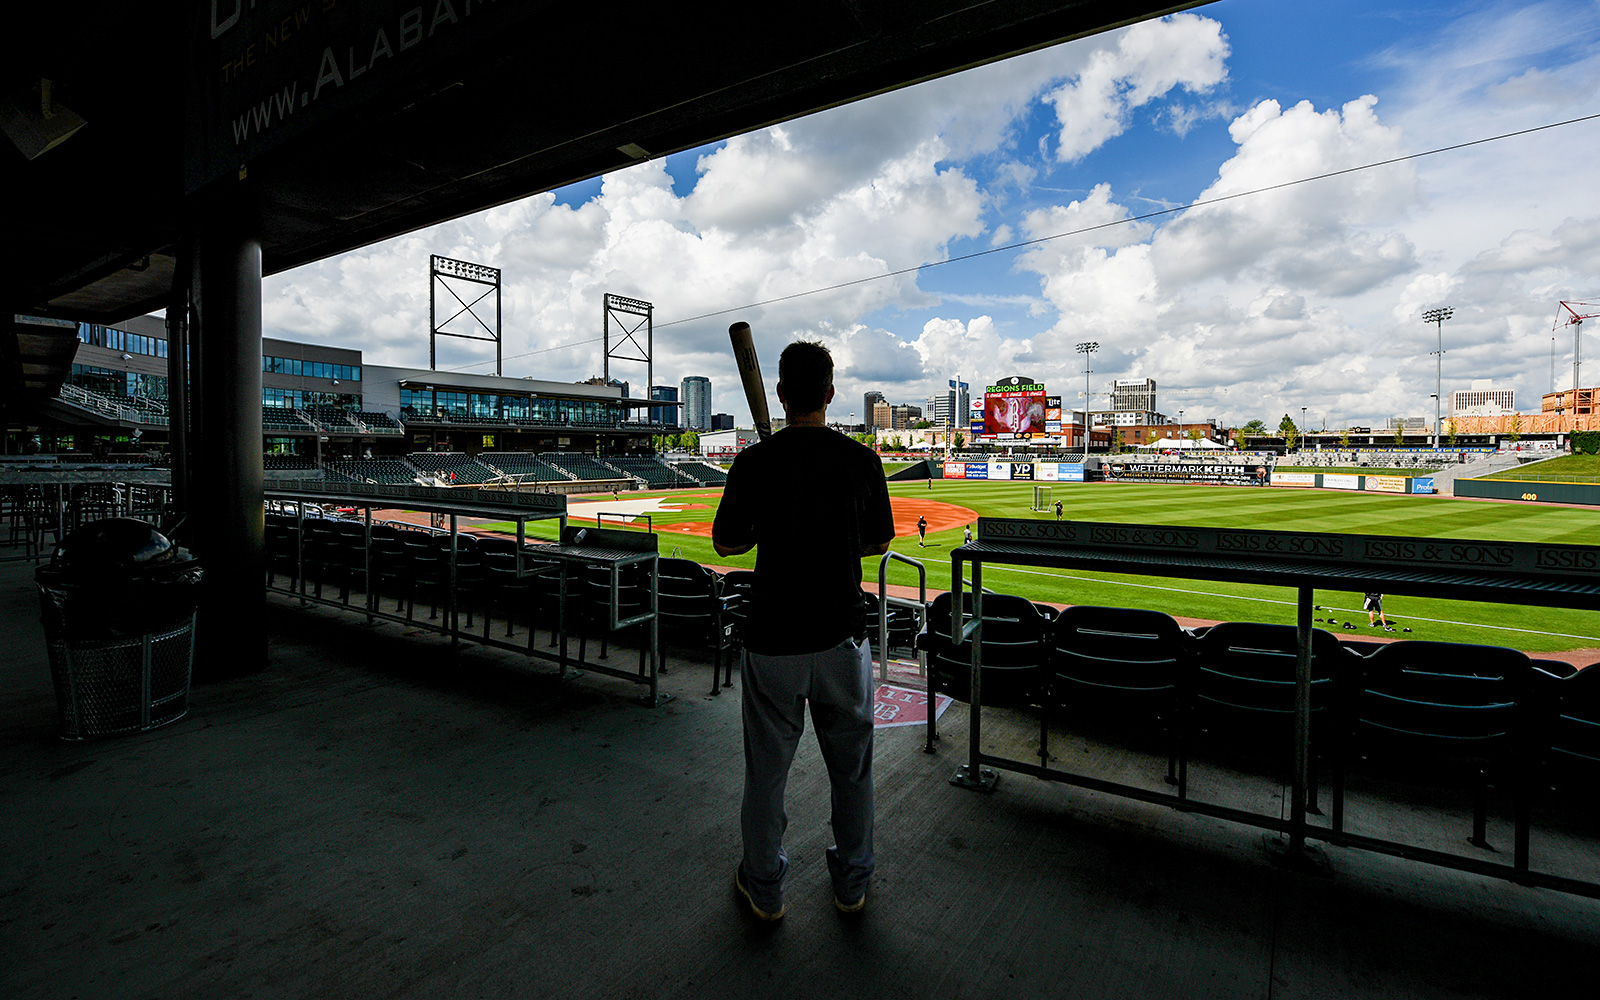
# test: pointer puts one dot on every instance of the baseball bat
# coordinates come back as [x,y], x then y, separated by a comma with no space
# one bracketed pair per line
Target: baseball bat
[744,355]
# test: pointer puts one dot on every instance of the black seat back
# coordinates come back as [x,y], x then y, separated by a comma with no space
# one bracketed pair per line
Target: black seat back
[1447,698]
[1117,652]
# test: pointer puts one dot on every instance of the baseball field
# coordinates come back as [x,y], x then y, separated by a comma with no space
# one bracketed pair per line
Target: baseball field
[684,520]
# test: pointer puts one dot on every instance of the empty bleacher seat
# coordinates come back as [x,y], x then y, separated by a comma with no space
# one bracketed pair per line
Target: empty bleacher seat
[451,466]
[581,466]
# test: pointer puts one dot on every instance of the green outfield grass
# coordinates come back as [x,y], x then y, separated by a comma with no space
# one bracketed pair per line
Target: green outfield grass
[1530,628]
[1566,469]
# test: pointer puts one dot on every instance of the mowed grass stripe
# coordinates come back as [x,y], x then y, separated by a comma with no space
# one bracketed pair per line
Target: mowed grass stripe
[1531,628]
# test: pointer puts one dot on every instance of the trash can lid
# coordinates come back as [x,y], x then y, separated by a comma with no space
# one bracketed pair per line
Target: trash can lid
[115,544]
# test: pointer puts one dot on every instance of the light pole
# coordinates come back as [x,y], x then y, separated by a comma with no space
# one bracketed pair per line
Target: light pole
[1437,317]
[1302,428]
[1087,349]
[1180,432]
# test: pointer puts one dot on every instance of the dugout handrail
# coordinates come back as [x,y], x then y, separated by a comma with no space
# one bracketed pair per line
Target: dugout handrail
[1532,573]
[922,619]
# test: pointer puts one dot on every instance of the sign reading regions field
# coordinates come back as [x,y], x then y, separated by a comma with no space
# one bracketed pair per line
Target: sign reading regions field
[262,72]
[1015,408]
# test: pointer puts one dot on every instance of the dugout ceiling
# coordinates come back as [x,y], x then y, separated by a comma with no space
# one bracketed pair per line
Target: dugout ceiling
[355,120]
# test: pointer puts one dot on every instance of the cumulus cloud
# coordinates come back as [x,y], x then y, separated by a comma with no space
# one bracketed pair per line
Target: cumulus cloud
[1146,62]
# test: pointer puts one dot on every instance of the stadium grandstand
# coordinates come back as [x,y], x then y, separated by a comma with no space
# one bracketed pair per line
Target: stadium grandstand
[522,465]
[655,473]
[583,466]
[451,467]
[702,473]
[389,471]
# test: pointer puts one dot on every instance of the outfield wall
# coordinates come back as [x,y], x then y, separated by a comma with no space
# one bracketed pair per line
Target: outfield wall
[1044,472]
[1343,481]
[1511,489]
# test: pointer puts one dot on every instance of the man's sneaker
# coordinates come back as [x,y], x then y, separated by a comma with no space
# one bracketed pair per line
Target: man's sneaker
[760,914]
[847,907]
[1388,628]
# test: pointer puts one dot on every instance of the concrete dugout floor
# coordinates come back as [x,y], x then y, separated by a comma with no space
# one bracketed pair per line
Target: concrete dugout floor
[381,815]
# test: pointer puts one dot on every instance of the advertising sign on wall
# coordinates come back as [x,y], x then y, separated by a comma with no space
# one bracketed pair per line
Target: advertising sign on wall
[1052,414]
[1070,472]
[999,470]
[1296,479]
[977,470]
[1340,481]
[1022,470]
[1046,472]
[955,470]
[1422,484]
[1386,484]
[1187,472]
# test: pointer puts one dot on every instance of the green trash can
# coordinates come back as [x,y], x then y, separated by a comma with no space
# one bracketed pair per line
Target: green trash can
[118,602]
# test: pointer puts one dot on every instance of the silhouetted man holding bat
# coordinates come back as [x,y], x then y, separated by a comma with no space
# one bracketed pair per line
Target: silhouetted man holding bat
[813,504]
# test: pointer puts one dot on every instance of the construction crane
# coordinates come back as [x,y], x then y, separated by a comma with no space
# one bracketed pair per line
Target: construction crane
[1573,314]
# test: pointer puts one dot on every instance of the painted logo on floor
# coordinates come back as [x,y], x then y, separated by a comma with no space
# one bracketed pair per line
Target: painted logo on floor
[899,706]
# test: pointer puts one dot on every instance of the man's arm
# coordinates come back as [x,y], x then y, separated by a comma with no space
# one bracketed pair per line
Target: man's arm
[866,550]
[731,533]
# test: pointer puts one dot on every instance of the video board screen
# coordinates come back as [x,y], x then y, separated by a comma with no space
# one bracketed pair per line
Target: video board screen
[1013,410]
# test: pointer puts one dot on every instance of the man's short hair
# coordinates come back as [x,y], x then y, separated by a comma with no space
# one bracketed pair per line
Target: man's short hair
[805,371]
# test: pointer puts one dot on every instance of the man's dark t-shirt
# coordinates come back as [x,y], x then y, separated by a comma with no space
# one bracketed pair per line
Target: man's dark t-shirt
[810,499]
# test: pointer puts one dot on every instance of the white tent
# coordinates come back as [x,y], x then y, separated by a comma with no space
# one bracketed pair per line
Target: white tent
[1182,444]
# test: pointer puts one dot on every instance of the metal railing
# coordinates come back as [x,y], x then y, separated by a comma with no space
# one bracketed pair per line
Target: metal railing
[884,601]
[144,411]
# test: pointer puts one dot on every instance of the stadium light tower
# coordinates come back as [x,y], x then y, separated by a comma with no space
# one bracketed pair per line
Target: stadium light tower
[1437,317]
[1087,349]
[1303,428]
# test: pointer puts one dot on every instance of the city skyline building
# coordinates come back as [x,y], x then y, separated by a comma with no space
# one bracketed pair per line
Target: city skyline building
[903,415]
[664,414]
[869,401]
[1482,397]
[1132,394]
[695,395]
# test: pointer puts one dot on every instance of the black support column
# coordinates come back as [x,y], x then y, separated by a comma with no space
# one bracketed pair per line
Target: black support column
[225,498]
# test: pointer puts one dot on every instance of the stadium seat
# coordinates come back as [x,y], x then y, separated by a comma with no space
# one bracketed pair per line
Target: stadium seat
[1013,654]
[1449,706]
[593,604]
[1571,702]
[1120,667]
[1242,693]
[691,605]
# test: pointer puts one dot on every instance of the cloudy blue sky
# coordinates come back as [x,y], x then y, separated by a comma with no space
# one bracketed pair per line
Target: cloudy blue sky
[1309,295]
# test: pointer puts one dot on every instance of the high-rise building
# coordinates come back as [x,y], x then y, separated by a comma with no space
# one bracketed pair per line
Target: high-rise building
[903,415]
[722,421]
[880,415]
[1482,398]
[869,400]
[664,414]
[948,407]
[695,394]
[1133,394]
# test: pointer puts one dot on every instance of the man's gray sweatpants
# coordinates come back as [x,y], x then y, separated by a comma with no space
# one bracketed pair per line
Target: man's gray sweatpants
[838,683]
